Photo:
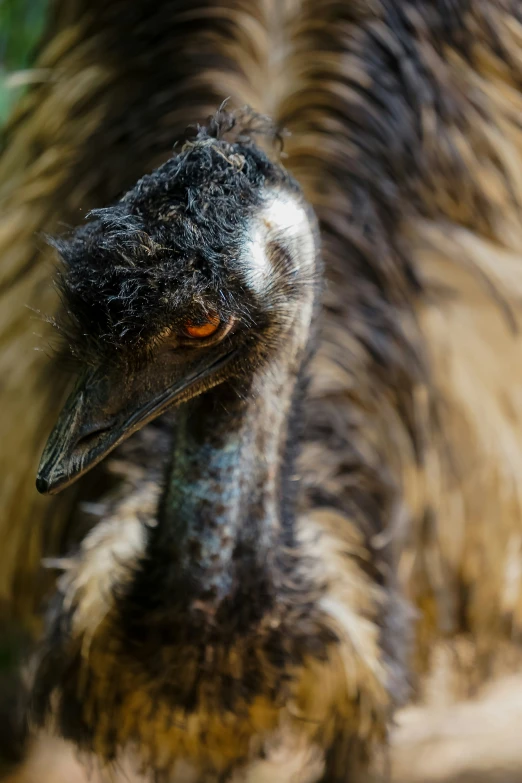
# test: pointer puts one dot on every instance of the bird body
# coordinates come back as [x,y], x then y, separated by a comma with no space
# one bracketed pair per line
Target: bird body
[207,627]
[295,698]
[238,613]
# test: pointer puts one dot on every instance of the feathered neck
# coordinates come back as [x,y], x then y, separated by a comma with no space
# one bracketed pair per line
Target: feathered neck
[228,503]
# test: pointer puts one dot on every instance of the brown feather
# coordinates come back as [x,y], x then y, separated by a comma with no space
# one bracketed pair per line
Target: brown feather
[406,138]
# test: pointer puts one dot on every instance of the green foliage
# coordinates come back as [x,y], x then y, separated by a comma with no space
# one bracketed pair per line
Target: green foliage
[21,26]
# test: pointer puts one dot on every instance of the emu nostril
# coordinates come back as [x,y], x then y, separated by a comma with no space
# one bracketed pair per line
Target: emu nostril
[92,433]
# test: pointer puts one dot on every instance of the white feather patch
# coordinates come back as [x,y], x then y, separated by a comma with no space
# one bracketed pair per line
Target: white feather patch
[283,219]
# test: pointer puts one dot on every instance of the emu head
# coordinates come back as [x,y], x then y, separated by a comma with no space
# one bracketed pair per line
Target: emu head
[203,272]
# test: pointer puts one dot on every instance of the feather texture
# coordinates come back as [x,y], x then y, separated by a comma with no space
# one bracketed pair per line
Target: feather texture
[406,139]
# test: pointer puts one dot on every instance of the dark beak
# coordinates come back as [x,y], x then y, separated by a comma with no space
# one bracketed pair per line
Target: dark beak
[106,407]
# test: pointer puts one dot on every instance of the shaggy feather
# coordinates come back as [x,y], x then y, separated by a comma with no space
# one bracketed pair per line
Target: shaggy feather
[406,139]
[168,252]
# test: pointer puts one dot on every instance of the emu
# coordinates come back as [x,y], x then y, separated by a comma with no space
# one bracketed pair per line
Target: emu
[261,631]
[208,625]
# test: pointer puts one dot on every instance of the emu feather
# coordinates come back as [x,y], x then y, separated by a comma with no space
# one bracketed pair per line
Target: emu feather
[406,141]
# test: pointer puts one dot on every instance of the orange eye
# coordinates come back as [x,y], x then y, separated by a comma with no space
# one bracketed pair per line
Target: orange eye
[207,329]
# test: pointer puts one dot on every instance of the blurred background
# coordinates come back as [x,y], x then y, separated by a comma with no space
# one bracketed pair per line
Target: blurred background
[67,144]
[22,23]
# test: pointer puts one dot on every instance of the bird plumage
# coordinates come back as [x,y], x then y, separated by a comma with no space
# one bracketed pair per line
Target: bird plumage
[199,627]
[406,142]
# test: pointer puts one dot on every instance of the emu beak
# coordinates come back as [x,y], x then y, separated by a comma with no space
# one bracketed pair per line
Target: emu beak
[102,412]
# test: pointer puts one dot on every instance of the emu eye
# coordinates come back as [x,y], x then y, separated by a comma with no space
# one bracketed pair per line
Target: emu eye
[206,329]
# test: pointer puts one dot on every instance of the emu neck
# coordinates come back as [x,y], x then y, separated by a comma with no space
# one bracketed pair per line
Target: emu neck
[222,510]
